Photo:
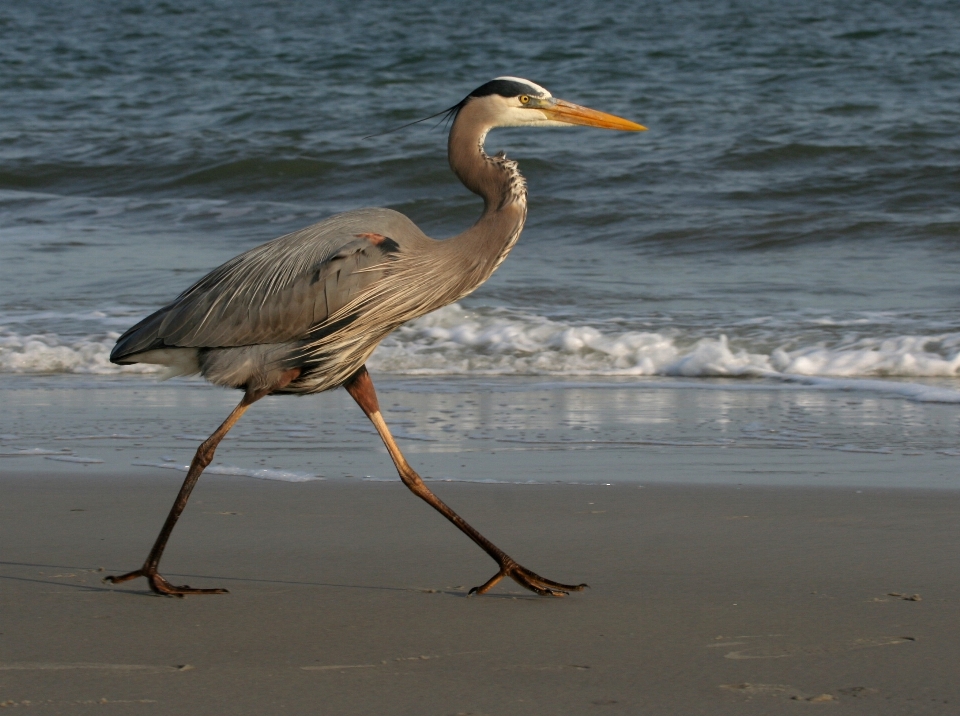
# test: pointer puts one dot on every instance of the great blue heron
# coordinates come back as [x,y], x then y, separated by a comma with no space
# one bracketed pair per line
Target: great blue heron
[302,313]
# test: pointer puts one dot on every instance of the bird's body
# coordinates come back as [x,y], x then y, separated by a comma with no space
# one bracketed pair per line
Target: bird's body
[319,299]
[302,313]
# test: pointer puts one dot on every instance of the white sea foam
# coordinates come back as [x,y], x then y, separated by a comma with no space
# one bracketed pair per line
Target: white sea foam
[483,342]
[31,452]
[454,340]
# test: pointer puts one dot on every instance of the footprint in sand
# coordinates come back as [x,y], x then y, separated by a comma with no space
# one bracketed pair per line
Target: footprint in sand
[794,694]
[782,651]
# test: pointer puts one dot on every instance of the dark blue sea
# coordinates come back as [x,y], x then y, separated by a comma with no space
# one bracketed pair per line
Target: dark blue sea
[794,208]
[792,216]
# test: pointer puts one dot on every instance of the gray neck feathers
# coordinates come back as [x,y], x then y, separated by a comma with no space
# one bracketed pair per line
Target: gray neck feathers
[498,180]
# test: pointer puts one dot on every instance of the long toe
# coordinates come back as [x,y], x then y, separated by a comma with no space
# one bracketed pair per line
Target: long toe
[123,577]
[161,586]
[529,580]
[486,586]
[543,581]
[542,585]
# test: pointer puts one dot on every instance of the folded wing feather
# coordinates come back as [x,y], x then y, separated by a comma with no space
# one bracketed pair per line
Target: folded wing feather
[278,291]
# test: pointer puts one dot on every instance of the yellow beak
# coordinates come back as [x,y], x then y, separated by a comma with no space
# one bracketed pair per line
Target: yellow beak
[560,110]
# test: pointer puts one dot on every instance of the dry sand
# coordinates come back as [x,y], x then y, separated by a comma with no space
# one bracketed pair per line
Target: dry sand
[351,599]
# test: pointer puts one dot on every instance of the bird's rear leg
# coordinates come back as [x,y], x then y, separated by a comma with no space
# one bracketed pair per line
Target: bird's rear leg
[201,459]
[157,583]
[160,585]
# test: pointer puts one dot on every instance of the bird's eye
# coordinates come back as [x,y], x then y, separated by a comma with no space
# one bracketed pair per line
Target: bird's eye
[524,99]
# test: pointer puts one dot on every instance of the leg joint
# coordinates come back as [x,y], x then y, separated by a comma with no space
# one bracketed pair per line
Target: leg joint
[205,453]
[411,479]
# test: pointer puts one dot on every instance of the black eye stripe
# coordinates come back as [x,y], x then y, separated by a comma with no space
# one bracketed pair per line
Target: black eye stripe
[505,88]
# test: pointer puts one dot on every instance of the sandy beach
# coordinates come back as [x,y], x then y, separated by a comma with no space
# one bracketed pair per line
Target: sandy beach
[351,599]
[717,378]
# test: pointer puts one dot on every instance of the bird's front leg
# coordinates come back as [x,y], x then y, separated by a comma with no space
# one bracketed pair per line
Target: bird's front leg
[360,387]
[531,580]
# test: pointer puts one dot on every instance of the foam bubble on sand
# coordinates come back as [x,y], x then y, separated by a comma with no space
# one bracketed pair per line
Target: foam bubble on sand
[396,432]
[912,391]
[475,480]
[31,452]
[259,473]
[74,458]
[112,436]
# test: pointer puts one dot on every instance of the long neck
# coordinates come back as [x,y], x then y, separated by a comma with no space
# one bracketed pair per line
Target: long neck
[486,244]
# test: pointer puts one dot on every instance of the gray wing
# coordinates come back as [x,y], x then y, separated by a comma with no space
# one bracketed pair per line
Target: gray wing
[278,291]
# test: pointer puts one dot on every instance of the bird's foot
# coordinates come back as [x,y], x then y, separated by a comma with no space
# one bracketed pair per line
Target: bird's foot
[160,585]
[531,580]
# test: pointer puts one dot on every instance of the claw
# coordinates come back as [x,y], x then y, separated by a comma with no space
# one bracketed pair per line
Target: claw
[159,585]
[530,580]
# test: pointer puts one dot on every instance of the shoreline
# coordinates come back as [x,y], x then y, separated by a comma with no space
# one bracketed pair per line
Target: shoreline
[520,432]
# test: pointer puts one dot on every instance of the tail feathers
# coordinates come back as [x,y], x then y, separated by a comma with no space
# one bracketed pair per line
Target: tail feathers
[177,361]
[139,339]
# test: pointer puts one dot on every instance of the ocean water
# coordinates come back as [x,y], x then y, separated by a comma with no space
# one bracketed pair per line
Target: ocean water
[792,218]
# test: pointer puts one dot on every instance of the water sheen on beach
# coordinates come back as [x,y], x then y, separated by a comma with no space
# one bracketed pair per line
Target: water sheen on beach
[790,219]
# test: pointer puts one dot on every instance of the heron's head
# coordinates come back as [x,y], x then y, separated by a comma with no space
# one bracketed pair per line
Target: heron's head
[515,102]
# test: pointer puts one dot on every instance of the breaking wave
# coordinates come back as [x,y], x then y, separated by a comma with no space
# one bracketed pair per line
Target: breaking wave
[490,341]
[454,340]
[50,353]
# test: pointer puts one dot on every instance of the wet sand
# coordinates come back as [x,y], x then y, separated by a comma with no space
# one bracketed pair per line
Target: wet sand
[351,599]
[722,432]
